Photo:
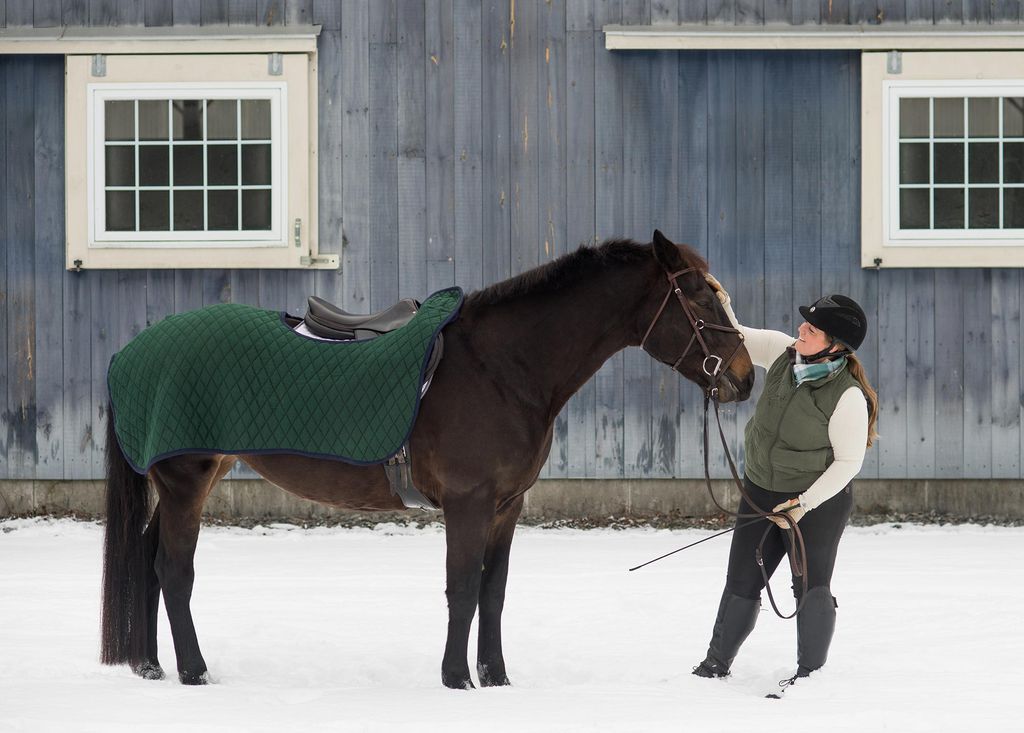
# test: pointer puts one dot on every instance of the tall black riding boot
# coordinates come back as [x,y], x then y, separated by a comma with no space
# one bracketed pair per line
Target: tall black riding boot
[814,626]
[735,620]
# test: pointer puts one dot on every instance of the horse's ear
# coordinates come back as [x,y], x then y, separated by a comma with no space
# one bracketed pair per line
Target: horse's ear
[667,253]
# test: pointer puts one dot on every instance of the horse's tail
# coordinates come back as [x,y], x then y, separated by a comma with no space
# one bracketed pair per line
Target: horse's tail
[123,635]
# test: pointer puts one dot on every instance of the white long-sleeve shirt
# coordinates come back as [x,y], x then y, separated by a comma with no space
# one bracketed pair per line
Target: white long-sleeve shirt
[847,428]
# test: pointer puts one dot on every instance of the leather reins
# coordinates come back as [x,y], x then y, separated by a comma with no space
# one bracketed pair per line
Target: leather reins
[798,551]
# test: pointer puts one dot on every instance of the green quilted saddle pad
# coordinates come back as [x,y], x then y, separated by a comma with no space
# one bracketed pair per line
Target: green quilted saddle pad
[231,378]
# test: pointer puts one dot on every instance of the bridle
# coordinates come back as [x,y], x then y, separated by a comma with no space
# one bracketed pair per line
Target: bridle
[798,554]
[697,325]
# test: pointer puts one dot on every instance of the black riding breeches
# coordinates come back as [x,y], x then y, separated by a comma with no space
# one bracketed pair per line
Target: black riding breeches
[821,530]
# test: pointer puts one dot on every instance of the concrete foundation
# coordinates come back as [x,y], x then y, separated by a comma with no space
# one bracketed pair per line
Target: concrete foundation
[553,499]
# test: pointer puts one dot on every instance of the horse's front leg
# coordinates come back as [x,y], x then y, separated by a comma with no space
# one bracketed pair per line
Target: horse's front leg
[490,664]
[467,525]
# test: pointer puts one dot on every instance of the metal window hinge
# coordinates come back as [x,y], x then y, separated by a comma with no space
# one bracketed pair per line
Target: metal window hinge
[894,62]
[298,232]
[275,64]
[99,65]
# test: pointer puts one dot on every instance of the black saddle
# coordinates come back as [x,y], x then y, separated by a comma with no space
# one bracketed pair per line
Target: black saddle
[330,321]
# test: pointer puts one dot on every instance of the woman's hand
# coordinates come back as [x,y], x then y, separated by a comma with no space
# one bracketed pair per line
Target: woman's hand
[723,296]
[792,508]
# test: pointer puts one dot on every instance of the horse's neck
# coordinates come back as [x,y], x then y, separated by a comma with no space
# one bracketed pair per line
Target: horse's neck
[560,339]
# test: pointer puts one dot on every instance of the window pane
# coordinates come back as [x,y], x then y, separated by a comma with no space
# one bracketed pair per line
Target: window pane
[255,165]
[255,119]
[152,119]
[914,162]
[256,210]
[983,117]
[914,208]
[154,211]
[1013,117]
[983,163]
[949,117]
[222,165]
[154,161]
[120,211]
[1013,208]
[913,118]
[949,208]
[222,119]
[1013,162]
[949,162]
[984,212]
[188,119]
[188,210]
[120,165]
[188,165]
[223,210]
[119,120]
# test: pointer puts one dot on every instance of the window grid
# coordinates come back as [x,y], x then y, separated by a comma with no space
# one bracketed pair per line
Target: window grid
[170,143]
[1001,185]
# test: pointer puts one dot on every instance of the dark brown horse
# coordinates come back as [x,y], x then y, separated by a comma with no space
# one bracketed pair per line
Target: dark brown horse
[512,359]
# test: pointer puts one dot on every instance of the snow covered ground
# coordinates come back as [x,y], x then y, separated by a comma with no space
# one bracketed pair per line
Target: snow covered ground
[343,629]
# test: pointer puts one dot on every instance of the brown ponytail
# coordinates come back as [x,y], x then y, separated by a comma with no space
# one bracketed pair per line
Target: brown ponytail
[857,372]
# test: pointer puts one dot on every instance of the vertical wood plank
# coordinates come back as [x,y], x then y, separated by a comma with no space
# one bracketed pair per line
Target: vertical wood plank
[977,285]
[949,373]
[637,77]
[807,184]
[19,13]
[835,12]
[579,15]
[666,138]
[440,143]
[330,115]
[893,368]
[327,14]
[523,62]
[948,11]
[20,414]
[1006,377]
[468,146]
[102,287]
[751,190]
[356,158]
[693,153]
[298,12]
[49,241]
[665,12]
[750,12]
[921,374]
[187,12]
[721,12]
[580,209]
[551,225]
[271,12]
[806,11]
[609,196]
[157,13]
[5,124]
[693,11]
[245,12]
[496,136]
[213,12]
[412,214]
[384,215]
[46,13]
[921,12]
[723,255]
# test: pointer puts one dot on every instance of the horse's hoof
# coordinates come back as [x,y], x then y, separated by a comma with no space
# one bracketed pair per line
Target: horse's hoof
[490,678]
[194,678]
[150,671]
[457,682]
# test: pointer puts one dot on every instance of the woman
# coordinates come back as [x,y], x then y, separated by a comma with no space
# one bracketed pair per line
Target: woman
[805,443]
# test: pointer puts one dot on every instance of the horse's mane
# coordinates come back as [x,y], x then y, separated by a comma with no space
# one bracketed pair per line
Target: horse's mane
[569,267]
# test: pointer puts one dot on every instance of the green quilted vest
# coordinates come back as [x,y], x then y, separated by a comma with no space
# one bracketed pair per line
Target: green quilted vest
[786,442]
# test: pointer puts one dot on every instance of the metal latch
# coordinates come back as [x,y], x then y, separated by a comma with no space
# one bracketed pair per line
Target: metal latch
[319,261]
[894,62]
[275,64]
[298,232]
[99,65]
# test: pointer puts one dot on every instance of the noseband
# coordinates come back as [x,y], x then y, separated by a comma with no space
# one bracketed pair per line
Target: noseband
[698,325]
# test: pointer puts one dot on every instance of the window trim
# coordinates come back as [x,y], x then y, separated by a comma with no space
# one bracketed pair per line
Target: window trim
[296,247]
[938,70]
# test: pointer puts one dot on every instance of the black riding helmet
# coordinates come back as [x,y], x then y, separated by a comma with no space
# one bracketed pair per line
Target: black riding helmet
[840,317]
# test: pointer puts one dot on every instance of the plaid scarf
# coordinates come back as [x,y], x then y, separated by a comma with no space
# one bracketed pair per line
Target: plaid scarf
[804,372]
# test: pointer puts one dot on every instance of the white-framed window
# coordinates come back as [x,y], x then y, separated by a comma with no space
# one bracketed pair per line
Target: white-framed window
[943,159]
[198,160]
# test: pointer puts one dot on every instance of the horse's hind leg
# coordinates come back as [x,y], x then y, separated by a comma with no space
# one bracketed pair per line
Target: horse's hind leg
[150,669]
[490,665]
[183,483]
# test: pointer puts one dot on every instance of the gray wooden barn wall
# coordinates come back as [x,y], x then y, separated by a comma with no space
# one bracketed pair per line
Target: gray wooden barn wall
[458,146]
